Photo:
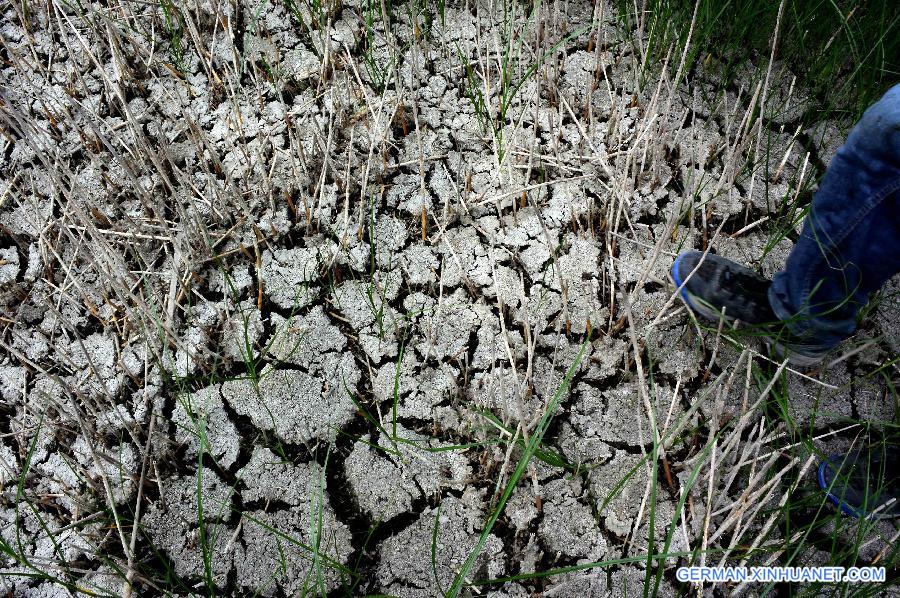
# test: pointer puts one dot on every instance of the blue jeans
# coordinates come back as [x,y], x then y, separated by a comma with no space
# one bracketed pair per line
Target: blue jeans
[850,243]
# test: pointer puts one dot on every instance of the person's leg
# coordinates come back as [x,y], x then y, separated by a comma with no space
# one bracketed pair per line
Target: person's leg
[849,246]
[850,243]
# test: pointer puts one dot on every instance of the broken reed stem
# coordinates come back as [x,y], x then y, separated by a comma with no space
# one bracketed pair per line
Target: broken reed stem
[424,221]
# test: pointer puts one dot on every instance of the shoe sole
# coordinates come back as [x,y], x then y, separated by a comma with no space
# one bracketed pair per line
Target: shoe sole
[844,507]
[796,359]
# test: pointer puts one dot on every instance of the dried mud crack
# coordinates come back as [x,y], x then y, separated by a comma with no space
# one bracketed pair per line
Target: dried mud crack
[287,290]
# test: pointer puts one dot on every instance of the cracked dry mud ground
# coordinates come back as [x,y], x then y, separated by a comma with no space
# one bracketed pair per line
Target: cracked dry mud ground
[272,281]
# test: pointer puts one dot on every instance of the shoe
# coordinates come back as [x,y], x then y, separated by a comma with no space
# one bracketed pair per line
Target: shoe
[720,288]
[863,483]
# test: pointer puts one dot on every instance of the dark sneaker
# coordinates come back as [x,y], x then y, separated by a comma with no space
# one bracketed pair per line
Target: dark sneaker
[864,483]
[721,288]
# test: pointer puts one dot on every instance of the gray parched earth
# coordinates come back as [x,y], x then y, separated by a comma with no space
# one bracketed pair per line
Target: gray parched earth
[293,294]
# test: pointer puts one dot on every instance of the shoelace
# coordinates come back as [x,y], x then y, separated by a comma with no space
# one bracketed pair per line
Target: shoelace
[739,284]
